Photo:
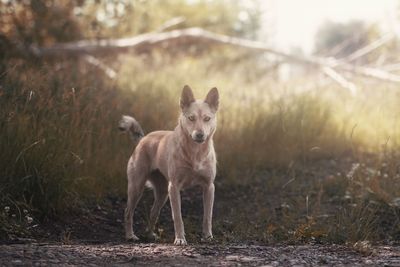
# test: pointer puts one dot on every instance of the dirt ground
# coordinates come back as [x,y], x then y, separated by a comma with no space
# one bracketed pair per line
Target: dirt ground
[42,254]
[94,235]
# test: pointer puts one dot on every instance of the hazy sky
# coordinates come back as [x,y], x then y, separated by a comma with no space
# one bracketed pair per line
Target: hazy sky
[293,23]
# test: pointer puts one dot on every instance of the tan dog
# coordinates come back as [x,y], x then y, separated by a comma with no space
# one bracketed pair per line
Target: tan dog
[174,160]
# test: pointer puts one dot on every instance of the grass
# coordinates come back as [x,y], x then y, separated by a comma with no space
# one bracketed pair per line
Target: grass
[51,143]
[306,203]
[60,146]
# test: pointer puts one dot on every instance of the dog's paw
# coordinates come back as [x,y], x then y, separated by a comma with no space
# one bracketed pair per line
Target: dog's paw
[207,239]
[132,238]
[180,242]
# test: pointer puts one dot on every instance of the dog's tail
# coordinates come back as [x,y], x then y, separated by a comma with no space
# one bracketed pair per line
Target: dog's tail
[130,125]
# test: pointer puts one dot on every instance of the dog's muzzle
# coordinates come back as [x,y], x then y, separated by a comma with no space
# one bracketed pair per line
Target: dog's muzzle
[199,138]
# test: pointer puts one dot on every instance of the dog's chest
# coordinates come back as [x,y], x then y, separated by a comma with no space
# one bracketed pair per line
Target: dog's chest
[193,168]
[196,173]
[203,169]
[200,167]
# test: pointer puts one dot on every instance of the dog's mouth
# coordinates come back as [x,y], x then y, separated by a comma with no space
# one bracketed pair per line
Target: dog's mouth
[198,140]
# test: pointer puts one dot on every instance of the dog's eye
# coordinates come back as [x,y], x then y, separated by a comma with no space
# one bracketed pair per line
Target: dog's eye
[207,118]
[191,118]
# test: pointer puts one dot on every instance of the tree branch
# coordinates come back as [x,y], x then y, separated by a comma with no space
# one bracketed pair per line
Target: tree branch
[198,36]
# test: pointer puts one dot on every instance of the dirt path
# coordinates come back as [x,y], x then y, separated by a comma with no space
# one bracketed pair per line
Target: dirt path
[94,236]
[37,254]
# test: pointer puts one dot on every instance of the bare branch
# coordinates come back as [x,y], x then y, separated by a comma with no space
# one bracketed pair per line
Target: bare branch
[372,73]
[95,62]
[334,75]
[370,47]
[392,67]
[171,23]
[198,36]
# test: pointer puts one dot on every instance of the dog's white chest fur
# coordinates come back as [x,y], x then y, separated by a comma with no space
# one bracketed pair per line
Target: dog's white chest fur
[200,166]
[204,168]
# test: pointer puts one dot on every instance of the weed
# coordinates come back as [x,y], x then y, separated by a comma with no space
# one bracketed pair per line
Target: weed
[59,143]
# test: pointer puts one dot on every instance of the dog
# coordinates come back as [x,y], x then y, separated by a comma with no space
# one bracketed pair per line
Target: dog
[170,161]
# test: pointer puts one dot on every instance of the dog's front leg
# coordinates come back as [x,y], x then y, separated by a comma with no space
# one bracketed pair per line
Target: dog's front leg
[208,202]
[175,200]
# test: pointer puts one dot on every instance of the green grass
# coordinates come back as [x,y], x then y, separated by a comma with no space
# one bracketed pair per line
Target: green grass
[59,144]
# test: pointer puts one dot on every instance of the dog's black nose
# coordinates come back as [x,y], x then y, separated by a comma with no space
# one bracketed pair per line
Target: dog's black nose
[199,136]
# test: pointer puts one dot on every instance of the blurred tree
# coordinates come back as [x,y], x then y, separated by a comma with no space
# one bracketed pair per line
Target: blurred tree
[120,18]
[342,39]
[40,22]
[44,22]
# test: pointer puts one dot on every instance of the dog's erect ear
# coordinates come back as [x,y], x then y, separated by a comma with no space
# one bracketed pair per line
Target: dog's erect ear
[187,97]
[212,99]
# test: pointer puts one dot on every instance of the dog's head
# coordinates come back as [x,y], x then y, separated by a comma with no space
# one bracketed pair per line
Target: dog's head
[198,117]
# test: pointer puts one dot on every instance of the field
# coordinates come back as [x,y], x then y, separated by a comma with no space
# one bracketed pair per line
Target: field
[305,160]
[307,142]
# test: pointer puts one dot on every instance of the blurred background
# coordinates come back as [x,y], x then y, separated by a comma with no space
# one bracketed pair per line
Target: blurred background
[308,127]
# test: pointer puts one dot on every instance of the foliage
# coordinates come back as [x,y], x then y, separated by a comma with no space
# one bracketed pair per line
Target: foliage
[122,18]
[59,145]
[40,22]
[52,129]
[342,39]
[45,22]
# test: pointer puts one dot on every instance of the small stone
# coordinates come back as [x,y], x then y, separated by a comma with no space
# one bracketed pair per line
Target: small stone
[368,261]
[247,259]
[188,254]
[232,258]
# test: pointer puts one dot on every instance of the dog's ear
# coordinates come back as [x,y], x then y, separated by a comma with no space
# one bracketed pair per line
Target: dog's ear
[212,99]
[187,97]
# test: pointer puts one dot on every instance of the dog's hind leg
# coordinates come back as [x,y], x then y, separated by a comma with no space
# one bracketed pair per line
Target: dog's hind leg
[136,183]
[160,190]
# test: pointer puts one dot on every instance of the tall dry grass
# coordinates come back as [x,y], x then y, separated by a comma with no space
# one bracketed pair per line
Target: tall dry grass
[59,144]
[58,136]
[258,126]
